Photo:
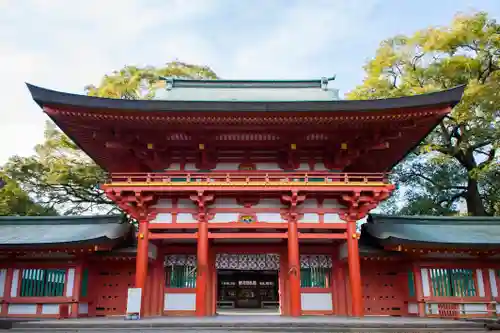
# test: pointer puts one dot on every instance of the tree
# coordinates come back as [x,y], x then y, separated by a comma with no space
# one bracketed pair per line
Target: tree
[14,201]
[59,175]
[457,162]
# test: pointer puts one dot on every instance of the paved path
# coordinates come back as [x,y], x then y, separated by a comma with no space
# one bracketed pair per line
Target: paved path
[250,324]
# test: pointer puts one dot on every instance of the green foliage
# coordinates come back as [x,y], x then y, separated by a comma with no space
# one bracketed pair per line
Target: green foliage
[14,201]
[133,82]
[459,160]
[59,175]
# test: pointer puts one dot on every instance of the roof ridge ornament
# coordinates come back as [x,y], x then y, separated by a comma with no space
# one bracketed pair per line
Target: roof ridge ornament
[324,83]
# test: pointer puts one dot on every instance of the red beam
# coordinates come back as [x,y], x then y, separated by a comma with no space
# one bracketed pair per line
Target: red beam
[161,226]
[335,225]
[321,236]
[173,236]
[257,225]
[256,235]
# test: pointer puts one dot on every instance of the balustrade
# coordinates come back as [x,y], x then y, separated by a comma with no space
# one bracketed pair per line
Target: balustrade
[247,177]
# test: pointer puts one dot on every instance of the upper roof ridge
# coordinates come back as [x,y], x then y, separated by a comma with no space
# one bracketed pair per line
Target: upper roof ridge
[223,83]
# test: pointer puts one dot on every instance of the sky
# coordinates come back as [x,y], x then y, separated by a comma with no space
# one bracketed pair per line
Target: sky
[65,45]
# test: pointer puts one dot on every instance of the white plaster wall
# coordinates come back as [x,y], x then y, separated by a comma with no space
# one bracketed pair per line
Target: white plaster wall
[309,218]
[162,218]
[163,203]
[70,282]
[51,309]
[180,302]
[269,203]
[332,218]
[3,276]
[310,203]
[316,301]
[15,281]
[267,166]
[304,167]
[190,167]
[413,308]
[475,308]
[185,203]
[174,167]
[331,203]
[83,308]
[186,218]
[152,250]
[493,284]
[227,166]
[225,218]
[432,309]
[320,167]
[425,282]
[20,309]
[269,217]
[226,203]
[480,282]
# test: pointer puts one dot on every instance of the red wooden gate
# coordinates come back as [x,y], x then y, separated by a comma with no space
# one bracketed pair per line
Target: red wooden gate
[385,289]
[112,283]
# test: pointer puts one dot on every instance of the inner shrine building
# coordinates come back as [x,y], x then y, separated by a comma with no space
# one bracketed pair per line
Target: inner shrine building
[247,195]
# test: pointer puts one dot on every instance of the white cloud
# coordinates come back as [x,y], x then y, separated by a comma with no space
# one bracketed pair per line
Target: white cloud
[65,45]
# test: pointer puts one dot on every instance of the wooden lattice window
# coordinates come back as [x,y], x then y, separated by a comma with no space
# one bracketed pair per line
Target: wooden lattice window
[84,282]
[315,277]
[42,282]
[456,282]
[411,284]
[180,276]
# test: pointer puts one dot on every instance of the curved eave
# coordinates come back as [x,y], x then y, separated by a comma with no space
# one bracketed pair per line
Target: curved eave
[103,240]
[46,97]
[392,241]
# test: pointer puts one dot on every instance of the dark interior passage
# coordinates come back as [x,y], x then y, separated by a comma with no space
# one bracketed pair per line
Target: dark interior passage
[247,289]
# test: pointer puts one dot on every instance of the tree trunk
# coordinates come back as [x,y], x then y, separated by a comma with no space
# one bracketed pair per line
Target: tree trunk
[475,206]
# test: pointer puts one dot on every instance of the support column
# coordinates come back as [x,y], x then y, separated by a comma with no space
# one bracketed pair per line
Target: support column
[354,270]
[294,268]
[419,291]
[77,285]
[202,268]
[141,260]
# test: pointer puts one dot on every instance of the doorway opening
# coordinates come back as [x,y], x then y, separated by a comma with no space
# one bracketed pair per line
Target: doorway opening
[242,290]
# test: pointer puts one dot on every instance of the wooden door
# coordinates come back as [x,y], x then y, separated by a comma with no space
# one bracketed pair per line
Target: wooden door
[112,283]
[385,289]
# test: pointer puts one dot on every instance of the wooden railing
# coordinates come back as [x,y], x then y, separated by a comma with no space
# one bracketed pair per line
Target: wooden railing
[217,178]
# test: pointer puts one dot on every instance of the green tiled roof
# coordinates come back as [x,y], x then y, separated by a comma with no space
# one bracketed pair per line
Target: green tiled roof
[247,91]
[444,230]
[53,230]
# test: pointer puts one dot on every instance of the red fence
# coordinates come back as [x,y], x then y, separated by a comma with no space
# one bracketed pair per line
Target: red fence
[313,178]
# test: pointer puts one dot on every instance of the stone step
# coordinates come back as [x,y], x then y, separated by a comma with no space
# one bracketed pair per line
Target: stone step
[247,324]
[293,328]
[246,330]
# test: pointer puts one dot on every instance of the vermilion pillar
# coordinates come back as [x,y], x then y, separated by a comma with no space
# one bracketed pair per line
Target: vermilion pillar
[354,269]
[419,290]
[141,261]
[294,268]
[202,268]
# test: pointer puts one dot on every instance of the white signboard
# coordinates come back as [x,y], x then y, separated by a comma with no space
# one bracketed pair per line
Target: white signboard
[134,301]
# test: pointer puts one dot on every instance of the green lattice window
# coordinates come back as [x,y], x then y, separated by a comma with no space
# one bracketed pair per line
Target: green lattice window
[177,276]
[42,282]
[315,277]
[455,282]
[411,284]
[84,282]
